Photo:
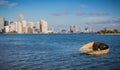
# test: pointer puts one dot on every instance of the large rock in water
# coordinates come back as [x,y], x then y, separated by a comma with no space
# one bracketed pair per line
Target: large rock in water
[95,48]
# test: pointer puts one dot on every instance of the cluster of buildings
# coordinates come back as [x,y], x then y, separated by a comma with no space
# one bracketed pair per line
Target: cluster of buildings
[26,27]
[23,27]
[74,29]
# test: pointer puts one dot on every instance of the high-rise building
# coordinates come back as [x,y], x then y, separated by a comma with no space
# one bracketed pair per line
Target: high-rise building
[12,26]
[73,29]
[1,23]
[37,25]
[7,29]
[6,23]
[43,26]
[88,30]
[24,27]
[20,18]
[20,24]
[30,30]
[19,27]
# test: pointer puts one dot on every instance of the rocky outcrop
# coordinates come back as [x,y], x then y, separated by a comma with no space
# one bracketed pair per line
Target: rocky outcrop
[95,48]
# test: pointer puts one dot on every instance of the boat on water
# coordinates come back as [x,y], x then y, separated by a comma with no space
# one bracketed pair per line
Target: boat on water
[95,48]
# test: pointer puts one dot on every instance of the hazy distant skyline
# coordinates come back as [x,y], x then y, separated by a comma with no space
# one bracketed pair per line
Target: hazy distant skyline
[63,13]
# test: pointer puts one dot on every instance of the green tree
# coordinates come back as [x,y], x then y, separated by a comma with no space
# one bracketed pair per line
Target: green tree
[115,31]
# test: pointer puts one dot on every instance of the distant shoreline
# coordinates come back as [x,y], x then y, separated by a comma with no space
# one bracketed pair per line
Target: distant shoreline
[48,33]
[66,33]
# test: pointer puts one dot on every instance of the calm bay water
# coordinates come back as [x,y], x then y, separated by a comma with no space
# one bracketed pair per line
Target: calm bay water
[56,52]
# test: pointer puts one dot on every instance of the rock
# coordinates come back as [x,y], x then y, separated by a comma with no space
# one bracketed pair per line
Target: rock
[95,48]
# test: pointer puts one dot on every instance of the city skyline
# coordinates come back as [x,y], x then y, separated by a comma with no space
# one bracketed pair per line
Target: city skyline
[63,13]
[22,26]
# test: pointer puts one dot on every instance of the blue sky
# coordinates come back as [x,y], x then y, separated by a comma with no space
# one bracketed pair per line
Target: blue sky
[63,13]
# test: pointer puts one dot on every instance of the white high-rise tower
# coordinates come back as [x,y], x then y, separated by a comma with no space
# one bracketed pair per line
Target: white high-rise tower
[20,18]
[1,23]
[43,26]
[20,24]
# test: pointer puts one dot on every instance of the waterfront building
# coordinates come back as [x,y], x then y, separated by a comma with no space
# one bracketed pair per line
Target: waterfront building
[19,27]
[91,29]
[24,26]
[7,29]
[35,30]
[24,23]
[24,30]
[37,25]
[20,18]
[15,23]
[73,29]
[51,30]
[30,30]
[6,23]
[43,26]
[1,23]
[12,26]
[64,31]
[88,30]
[20,24]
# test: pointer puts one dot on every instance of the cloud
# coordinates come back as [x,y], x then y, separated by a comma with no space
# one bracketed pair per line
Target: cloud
[61,14]
[97,14]
[2,2]
[56,14]
[99,22]
[12,4]
[80,13]
[7,3]
[68,13]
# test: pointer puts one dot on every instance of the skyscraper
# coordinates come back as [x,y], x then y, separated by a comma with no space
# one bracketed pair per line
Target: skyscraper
[20,24]
[43,26]
[1,23]
[20,18]
[24,26]
[19,27]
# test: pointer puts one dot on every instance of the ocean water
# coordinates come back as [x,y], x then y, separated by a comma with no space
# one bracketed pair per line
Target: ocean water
[56,52]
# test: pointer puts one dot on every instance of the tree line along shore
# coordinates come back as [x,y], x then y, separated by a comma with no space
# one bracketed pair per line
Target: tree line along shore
[107,31]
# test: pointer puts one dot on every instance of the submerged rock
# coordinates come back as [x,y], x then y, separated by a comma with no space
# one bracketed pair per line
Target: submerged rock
[95,48]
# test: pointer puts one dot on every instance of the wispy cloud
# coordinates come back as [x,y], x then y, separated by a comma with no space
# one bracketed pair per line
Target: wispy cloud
[56,14]
[97,14]
[80,13]
[101,21]
[7,3]
[61,14]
